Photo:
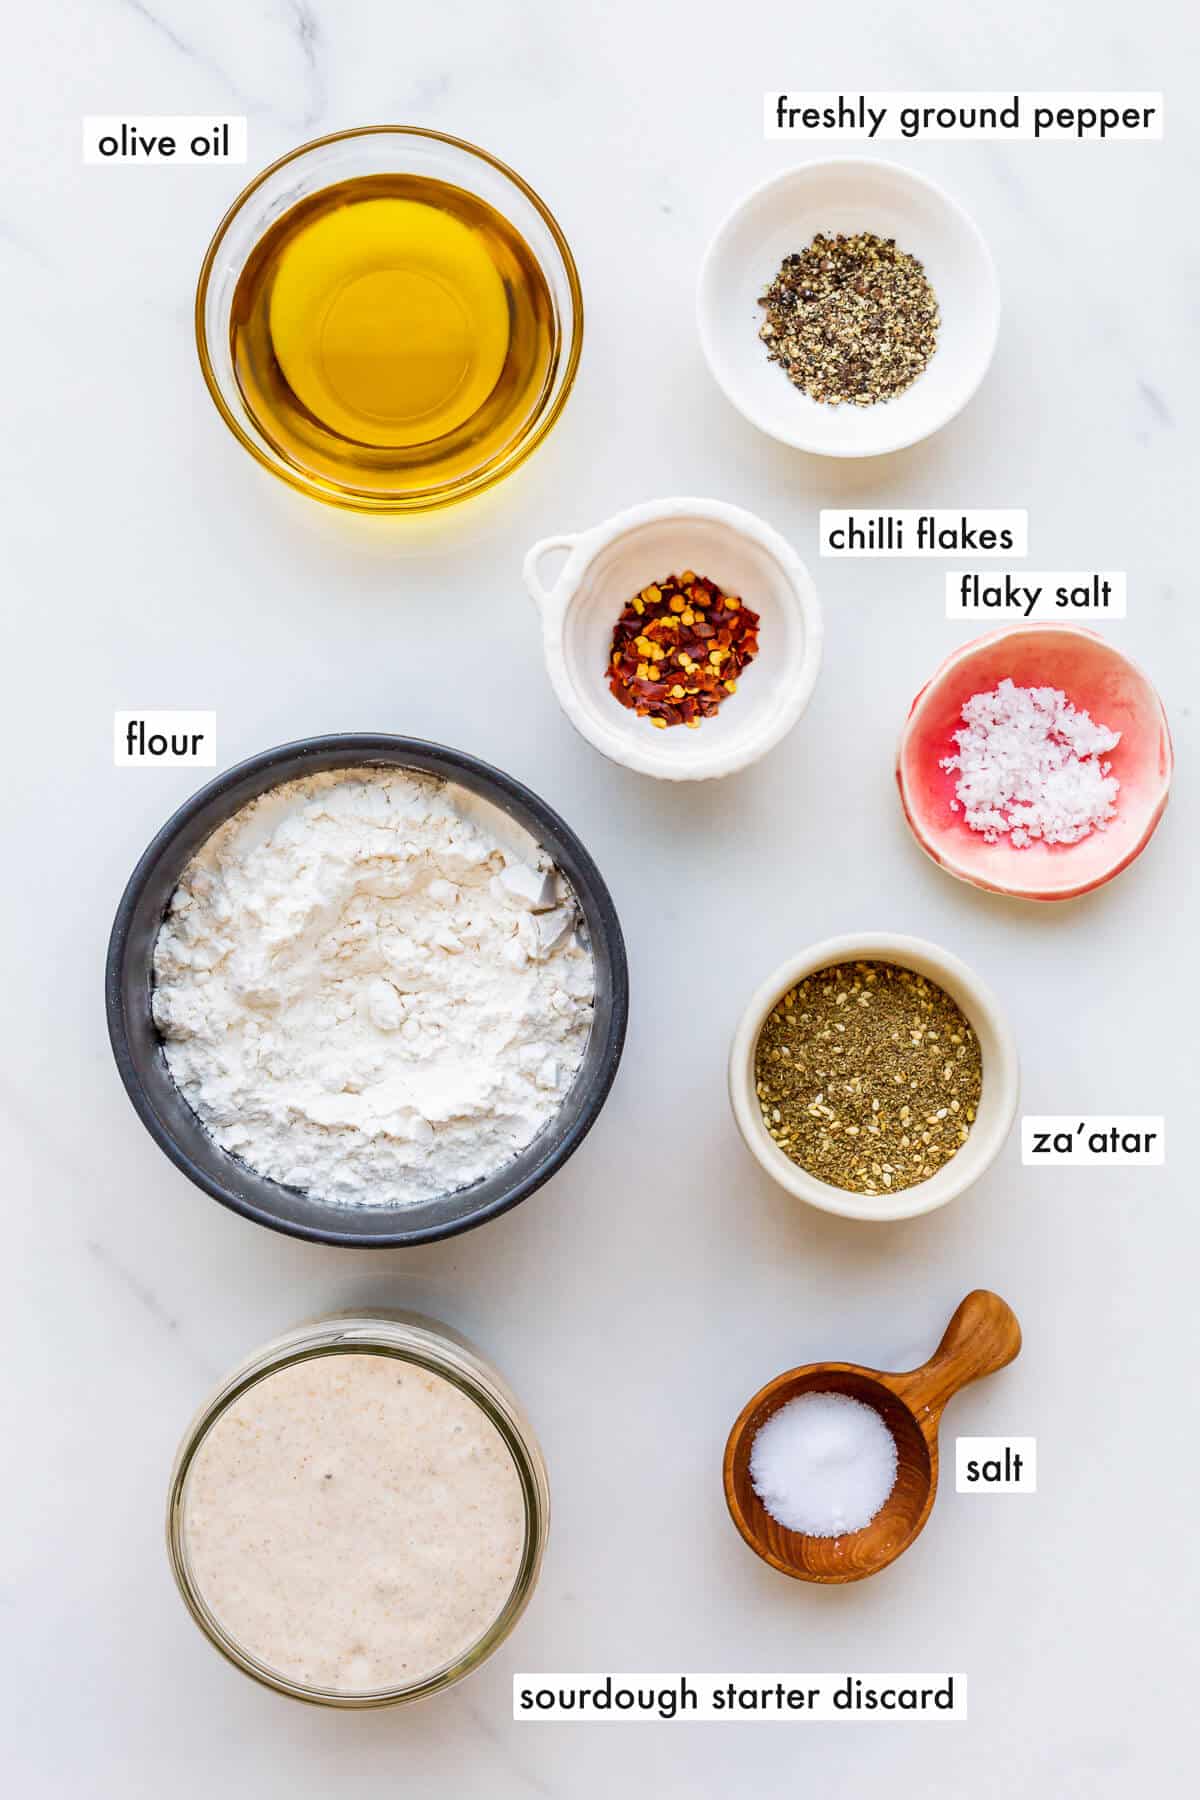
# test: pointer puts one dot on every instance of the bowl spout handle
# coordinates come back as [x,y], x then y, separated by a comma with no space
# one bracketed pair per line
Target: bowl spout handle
[982,1337]
[540,594]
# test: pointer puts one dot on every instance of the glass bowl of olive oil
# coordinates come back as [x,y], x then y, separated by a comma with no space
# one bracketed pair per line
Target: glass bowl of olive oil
[389,319]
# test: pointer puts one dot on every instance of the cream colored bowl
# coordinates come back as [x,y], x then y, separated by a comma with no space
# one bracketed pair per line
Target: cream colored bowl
[998,1101]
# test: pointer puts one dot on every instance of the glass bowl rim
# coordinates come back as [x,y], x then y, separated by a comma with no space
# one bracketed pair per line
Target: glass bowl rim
[424,500]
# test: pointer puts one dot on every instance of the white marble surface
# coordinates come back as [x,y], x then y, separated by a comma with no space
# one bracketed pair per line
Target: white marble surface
[638,1300]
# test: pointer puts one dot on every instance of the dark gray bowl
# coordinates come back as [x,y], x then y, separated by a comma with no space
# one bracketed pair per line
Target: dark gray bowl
[176,1128]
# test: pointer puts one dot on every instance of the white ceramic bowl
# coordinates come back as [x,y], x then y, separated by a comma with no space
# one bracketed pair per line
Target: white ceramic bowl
[847,194]
[998,1100]
[608,565]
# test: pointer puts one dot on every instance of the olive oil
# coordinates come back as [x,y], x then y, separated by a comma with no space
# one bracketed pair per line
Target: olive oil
[391,334]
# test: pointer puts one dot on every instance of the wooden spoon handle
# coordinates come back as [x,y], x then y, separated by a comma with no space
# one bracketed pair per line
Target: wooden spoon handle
[982,1337]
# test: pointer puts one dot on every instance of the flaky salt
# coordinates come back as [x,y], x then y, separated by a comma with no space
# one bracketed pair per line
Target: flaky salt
[1030,767]
[823,1464]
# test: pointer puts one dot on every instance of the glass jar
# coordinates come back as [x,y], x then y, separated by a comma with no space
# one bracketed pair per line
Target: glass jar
[425,1345]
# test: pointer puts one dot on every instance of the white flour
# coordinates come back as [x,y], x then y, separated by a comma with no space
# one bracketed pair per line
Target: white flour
[371,988]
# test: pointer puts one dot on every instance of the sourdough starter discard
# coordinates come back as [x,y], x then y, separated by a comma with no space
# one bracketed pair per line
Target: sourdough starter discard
[354,1522]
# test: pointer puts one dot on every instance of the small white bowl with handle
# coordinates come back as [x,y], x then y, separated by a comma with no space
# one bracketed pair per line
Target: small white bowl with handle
[607,566]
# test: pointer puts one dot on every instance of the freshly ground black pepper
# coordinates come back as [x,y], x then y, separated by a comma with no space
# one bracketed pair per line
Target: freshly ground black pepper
[851,319]
[868,1076]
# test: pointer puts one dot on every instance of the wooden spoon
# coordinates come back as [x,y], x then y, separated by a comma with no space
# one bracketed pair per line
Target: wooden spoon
[982,1337]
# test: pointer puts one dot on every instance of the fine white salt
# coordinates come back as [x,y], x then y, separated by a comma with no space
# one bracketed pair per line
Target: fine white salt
[823,1464]
[1030,767]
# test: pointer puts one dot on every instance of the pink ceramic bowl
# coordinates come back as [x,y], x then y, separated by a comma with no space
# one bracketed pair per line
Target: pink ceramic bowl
[1097,679]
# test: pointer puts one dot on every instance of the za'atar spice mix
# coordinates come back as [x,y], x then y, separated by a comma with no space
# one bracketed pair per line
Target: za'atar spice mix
[868,1076]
